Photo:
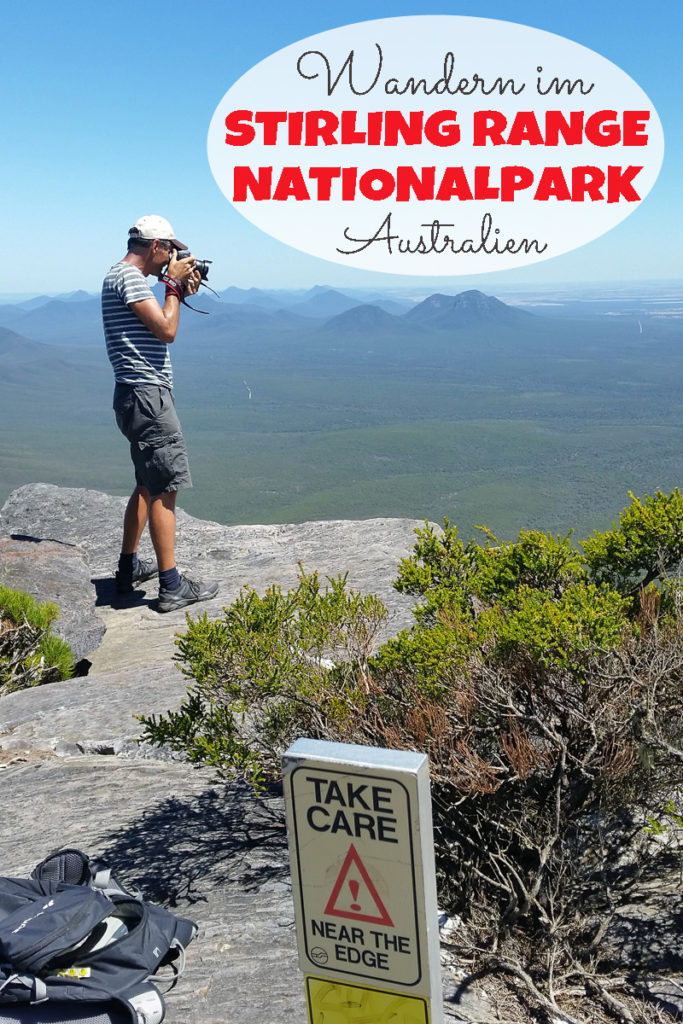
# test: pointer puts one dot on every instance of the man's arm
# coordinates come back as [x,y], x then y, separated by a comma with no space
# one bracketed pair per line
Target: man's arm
[162,321]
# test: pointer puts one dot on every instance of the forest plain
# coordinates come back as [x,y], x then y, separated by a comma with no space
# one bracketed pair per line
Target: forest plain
[530,409]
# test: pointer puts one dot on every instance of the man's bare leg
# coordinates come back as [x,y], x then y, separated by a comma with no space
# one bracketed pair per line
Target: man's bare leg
[162,528]
[132,570]
[175,591]
[135,519]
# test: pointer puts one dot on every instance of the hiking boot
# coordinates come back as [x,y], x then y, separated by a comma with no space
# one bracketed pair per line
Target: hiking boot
[188,592]
[145,569]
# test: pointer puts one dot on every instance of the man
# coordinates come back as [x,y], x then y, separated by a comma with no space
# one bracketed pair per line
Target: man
[138,332]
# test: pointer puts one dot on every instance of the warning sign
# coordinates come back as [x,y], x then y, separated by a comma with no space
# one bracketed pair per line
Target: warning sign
[361,849]
[354,894]
[358,884]
[331,1002]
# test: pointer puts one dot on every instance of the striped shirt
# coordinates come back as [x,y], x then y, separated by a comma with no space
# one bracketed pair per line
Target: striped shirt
[138,357]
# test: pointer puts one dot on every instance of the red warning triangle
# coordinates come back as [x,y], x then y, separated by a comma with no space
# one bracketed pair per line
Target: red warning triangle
[354,894]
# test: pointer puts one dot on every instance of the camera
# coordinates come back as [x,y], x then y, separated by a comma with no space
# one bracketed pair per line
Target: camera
[201,265]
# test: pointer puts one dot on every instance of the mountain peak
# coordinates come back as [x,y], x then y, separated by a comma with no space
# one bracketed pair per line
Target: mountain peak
[467,309]
[362,318]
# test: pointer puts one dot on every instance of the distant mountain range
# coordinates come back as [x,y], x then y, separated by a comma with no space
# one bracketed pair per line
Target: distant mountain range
[31,363]
[75,319]
[332,403]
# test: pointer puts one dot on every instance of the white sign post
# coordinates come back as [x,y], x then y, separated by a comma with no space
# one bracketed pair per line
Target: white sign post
[362,859]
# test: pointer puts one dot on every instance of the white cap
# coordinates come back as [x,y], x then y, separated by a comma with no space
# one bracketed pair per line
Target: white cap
[152,226]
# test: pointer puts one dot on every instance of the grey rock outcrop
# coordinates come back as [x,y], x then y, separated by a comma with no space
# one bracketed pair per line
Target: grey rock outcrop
[55,571]
[257,556]
[73,774]
[214,852]
[51,531]
[91,715]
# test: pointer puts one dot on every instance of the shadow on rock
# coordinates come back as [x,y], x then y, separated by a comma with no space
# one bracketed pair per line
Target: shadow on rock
[648,923]
[182,849]
[29,538]
[105,589]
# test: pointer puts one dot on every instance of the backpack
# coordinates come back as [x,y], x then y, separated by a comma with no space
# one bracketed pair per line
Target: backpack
[75,946]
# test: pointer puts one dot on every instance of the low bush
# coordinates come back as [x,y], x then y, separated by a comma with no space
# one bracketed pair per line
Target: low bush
[274,667]
[30,654]
[545,682]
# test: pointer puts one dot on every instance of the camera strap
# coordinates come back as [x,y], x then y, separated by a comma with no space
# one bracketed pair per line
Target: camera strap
[204,312]
[175,286]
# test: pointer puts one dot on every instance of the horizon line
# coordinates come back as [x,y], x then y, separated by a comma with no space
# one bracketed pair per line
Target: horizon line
[9,297]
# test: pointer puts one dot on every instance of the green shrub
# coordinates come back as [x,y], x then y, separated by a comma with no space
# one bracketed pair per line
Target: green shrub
[546,686]
[645,546]
[427,659]
[448,573]
[30,654]
[20,607]
[273,667]
[564,633]
[440,571]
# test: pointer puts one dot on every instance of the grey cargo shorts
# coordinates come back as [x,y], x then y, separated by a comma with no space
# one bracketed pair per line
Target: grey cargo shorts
[145,414]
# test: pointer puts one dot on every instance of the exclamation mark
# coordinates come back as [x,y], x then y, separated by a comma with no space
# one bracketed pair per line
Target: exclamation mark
[355,886]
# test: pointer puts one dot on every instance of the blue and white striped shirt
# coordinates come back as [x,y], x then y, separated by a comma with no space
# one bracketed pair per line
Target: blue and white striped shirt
[138,357]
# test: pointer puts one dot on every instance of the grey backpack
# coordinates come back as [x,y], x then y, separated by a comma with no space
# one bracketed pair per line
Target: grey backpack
[75,946]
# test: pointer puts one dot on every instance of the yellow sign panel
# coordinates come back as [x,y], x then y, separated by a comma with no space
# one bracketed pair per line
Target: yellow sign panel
[331,1002]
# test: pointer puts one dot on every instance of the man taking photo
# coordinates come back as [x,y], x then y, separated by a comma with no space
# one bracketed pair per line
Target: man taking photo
[138,333]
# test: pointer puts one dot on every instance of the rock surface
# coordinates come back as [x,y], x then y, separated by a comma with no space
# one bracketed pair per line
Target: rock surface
[91,715]
[72,773]
[55,571]
[257,556]
[213,852]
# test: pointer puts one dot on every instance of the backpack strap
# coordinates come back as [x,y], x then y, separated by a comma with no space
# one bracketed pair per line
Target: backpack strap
[35,988]
[179,932]
[69,865]
[74,867]
[102,877]
[175,960]
[147,1004]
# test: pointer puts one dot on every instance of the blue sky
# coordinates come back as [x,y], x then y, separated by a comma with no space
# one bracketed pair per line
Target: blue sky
[107,107]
